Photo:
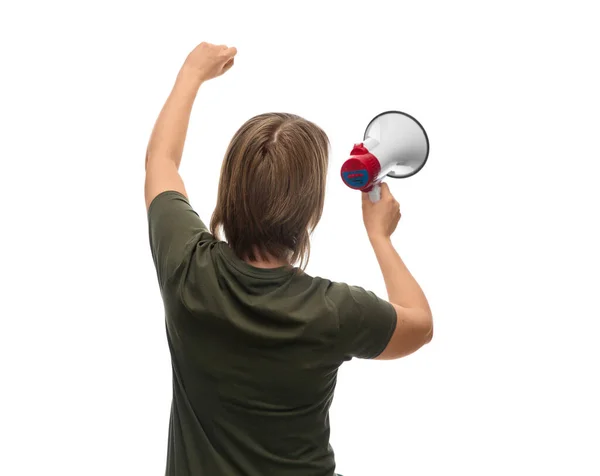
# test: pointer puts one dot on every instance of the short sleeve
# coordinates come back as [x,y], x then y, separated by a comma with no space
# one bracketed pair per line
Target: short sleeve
[172,224]
[366,322]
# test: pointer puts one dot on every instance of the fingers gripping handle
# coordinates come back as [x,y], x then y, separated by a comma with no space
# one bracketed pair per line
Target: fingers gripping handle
[375,193]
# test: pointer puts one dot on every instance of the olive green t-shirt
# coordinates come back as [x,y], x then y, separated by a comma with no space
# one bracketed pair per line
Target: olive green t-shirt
[254,352]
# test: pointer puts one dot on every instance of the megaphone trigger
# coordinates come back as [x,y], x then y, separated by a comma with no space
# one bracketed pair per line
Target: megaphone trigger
[375,193]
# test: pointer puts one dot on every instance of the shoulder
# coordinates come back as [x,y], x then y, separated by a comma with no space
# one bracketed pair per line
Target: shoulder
[346,301]
[346,295]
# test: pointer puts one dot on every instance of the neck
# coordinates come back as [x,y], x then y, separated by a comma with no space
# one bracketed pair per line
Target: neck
[269,262]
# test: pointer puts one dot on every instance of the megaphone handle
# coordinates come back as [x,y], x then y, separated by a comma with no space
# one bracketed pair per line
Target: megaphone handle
[375,193]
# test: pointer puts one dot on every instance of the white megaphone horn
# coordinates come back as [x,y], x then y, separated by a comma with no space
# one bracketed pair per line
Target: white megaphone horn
[395,145]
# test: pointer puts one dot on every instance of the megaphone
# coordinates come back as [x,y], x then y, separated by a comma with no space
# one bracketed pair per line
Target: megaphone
[395,145]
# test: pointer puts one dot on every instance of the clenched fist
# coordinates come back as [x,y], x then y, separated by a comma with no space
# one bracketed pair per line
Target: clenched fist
[209,61]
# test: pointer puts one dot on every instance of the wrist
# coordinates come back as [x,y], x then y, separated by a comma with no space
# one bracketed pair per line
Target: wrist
[190,77]
[377,239]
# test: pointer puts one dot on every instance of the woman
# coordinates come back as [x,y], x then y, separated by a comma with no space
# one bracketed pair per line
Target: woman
[256,342]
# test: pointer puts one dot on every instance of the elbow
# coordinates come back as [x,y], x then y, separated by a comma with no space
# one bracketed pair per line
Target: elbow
[428,331]
[428,336]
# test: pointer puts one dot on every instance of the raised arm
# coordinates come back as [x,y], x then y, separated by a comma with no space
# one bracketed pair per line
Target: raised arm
[414,319]
[165,148]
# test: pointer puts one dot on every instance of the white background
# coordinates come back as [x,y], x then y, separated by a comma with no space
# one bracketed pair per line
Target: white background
[500,227]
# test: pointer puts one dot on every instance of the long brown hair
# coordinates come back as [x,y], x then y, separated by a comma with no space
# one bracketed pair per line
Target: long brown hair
[272,188]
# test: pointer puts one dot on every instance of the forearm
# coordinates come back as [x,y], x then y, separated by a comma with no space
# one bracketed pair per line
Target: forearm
[169,133]
[401,286]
